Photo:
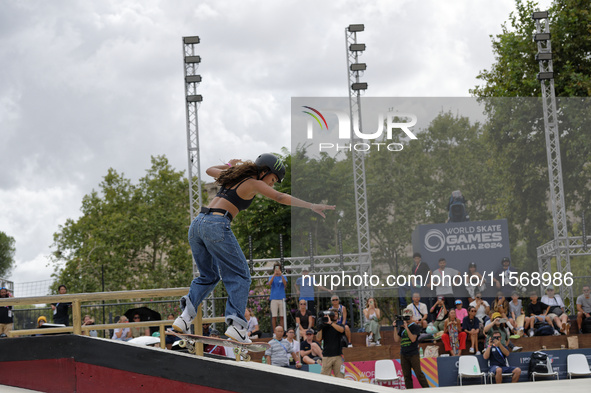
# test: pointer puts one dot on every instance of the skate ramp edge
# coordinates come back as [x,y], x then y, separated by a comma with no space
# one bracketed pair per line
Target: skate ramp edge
[70,363]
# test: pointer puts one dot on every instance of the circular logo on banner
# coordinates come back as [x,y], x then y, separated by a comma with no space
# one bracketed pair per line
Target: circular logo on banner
[434,240]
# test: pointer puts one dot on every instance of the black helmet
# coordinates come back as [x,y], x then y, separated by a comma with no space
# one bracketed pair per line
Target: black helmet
[273,163]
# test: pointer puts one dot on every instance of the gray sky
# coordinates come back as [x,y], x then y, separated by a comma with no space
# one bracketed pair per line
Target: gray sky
[86,86]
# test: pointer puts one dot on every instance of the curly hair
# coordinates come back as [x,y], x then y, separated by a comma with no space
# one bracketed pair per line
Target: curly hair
[233,175]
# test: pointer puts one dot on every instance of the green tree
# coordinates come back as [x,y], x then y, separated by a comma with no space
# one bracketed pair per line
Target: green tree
[136,235]
[515,132]
[7,250]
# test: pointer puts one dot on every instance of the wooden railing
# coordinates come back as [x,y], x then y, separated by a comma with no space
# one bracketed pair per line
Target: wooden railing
[77,298]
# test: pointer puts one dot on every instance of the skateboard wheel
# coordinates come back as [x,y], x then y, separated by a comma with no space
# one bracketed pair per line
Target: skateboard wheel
[192,350]
[182,343]
[246,358]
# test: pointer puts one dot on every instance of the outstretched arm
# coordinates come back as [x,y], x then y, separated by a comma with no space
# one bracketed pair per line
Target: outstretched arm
[286,199]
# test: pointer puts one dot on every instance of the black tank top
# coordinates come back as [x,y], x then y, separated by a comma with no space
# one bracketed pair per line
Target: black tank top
[231,196]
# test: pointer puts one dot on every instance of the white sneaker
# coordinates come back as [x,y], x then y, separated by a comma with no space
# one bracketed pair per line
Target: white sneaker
[181,326]
[517,349]
[478,353]
[531,333]
[237,334]
[471,350]
[377,343]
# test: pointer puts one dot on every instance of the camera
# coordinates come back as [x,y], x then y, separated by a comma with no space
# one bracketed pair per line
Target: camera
[403,318]
[325,318]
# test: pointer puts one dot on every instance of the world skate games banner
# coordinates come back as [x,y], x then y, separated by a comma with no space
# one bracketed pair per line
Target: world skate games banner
[482,242]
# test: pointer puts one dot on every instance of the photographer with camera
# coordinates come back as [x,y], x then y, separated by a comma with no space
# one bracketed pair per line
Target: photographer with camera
[331,332]
[408,335]
[496,354]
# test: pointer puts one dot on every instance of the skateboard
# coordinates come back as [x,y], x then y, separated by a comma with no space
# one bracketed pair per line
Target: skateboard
[240,349]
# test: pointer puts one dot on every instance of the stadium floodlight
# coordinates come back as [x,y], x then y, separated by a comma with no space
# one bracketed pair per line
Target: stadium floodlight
[193,79]
[545,76]
[357,47]
[192,59]
[540,15]
[542,37]
[358,67]
[544,56]
[191,40]
[195,98]
[355,28]
[359,86]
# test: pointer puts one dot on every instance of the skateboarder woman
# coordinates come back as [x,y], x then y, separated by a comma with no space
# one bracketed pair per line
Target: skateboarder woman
[215,249]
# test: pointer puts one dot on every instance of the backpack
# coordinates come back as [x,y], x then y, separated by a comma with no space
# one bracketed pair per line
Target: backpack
[538,362]
[545,329]
[586,325]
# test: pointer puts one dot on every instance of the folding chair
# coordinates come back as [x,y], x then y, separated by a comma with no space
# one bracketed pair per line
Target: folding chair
[550,373]
[385,371]
[468,367]
[491,375]
[576,365]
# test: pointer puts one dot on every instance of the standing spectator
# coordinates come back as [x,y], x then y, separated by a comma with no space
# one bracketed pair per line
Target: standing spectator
[278,283]
[557,313]
[122,333]
[304,318]
[496,353]
[517,317]
[332,332]
[409,350]
[420,268]
[6,318]
[474,289]
[454,339]
[439,313]
[504,270]
[419,310]
[305,289]
[482,308]
[583,307]
[342,316]
[294,359]
[537,311]
[471,326]
[445,287]
[137,331]
[310,351]
[61,310]
[461,312]
[252,324]
[372,316]
[88,321]
[278,354]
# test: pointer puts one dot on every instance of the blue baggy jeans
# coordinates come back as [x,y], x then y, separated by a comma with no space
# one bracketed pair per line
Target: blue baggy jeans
[216,253]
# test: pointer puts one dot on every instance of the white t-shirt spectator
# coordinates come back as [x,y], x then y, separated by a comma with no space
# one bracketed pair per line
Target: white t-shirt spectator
[416,314]
[443,289]
[480,311]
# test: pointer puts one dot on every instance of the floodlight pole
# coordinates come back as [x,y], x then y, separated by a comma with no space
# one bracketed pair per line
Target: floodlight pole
[546,78]
[354,68]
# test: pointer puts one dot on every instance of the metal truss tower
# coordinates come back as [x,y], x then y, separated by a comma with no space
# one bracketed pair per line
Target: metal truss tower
[191,63]
[354,68]
[560,245]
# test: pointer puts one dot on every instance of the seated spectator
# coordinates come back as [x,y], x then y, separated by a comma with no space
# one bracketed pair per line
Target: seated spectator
[537,312]
[419,310]
[278,354]
[439,313]
[123,333]
[137,331]
[310,351]
[42,320]
[500,305]
[497,353]
[482,308]
[461,312]
[583,307]
[169,340]
[557,310]
[252,327]
[294,359]
[454,339]
[517,317]
[214,349]
[304,318]
[499,325]
[88,320]
[372,316]
[471,325]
